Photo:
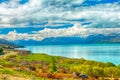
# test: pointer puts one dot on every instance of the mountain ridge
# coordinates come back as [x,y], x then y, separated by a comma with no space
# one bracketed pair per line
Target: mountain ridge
[7,43]
[112,38]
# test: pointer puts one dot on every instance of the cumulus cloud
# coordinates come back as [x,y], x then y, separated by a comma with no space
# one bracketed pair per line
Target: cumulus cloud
[14,14]
[13,35]
[76,31]
[104,18]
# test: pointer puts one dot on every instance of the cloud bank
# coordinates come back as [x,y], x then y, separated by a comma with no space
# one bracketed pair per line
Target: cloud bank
[76,31]
[35,12]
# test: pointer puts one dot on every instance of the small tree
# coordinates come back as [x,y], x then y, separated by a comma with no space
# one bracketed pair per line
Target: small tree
[1,51]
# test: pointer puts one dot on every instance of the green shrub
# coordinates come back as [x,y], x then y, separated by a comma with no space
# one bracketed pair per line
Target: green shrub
[1,51]
[53,68]
[109,64]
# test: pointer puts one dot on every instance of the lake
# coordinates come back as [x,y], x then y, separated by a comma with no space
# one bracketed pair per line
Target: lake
[97,52]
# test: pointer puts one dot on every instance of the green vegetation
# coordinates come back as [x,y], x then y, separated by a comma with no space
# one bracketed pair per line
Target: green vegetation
[35,64]
[1,51]
[53,67]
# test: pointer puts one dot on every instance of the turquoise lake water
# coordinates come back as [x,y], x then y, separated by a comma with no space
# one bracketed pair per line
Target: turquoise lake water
[97,52]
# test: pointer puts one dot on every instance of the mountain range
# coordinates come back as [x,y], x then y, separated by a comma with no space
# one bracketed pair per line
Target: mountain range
[112,38]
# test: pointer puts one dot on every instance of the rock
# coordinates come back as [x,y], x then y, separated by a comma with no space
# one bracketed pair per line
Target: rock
[11,59]
[24,62]
[83,76]
[32,68]
[75,74]
[17,68]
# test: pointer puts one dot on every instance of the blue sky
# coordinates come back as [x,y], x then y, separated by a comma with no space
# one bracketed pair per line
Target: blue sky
[20,1]
[40,19]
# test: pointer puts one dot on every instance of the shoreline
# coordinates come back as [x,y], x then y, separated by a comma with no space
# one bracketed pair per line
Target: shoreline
[23,51]
[103,53]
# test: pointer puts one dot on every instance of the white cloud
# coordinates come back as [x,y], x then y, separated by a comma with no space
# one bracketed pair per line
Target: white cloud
[13,35]
[13,14]
[77,30]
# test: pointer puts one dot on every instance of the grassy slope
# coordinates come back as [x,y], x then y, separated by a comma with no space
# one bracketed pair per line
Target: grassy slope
[32,65]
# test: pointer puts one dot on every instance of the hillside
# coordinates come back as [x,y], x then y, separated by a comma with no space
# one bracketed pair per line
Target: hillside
[7,44]
[20,67]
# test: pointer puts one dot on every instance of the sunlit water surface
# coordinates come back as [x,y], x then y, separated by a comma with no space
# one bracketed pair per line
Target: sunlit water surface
[98,52]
